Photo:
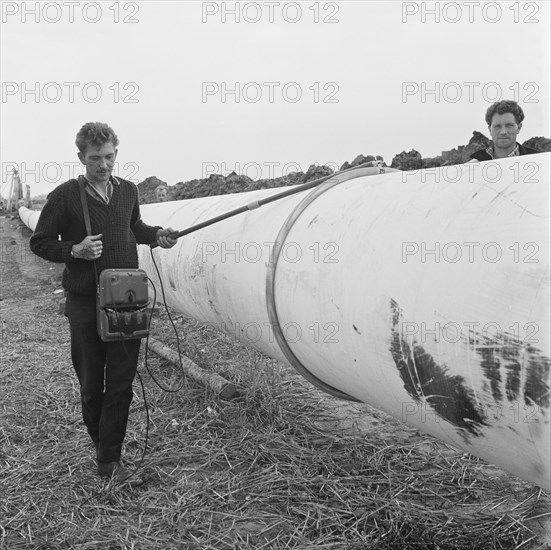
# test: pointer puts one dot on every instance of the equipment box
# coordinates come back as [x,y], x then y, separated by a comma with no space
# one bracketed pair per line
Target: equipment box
[122,302]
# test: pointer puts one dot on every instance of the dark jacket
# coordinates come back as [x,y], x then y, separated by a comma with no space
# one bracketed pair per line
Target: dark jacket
[61,225]
[481,154]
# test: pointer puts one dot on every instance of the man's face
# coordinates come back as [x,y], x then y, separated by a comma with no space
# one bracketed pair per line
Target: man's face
[162,195]
[99,162]
[504,130]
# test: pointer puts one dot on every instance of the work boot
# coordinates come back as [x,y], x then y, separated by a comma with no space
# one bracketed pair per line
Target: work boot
[116,471]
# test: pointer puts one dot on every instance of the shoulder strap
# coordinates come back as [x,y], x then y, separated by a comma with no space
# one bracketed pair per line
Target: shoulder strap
[82,184]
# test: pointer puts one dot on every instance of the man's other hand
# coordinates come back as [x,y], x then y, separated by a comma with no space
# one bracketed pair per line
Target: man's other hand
[90,248]
[164,239]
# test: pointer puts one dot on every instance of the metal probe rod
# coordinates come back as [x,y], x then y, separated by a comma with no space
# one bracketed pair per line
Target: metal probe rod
[250,206]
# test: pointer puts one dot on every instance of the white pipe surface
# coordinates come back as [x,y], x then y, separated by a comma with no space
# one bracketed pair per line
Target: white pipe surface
[425,294]
[29,217]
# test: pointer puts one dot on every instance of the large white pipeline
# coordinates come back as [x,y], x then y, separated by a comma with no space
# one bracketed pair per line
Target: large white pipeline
[425,294]
[29,217]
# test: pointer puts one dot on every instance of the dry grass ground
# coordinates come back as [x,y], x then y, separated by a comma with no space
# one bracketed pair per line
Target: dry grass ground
[280,466]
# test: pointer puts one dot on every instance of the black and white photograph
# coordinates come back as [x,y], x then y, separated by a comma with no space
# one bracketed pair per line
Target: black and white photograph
[275,275]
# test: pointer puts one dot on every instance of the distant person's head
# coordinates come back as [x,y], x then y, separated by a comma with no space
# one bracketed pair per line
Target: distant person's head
[504,120]
[161,193]
[97,149]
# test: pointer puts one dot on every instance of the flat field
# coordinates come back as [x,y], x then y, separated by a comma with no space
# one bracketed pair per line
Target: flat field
[281,465]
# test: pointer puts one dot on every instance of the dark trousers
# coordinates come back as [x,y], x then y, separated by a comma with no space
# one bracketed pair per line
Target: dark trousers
[105,371]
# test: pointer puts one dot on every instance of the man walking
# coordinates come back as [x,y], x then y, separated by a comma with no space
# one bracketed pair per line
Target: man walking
[105,370]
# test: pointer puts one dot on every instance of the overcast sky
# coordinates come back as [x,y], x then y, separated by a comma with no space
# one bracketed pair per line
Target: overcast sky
[262,88]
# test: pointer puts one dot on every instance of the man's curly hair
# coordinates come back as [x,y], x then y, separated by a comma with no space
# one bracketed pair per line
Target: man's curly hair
[95,134]
[502,107]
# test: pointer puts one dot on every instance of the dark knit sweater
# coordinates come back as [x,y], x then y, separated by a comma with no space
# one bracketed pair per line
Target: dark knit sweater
[119,223]
[482,154]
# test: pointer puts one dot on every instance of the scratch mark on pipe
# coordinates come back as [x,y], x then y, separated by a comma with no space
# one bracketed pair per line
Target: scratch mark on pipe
[428,382]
